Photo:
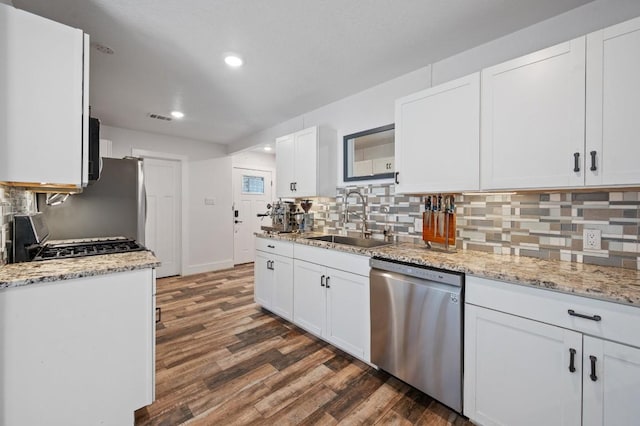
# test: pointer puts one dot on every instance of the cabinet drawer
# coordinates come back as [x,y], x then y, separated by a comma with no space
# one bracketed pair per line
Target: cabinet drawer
[349,262]
[618,322]
[270,245]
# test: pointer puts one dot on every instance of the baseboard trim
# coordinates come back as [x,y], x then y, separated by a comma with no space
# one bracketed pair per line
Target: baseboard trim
[207,267]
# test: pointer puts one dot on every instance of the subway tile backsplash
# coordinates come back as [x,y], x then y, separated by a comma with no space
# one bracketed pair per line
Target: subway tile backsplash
[542,225]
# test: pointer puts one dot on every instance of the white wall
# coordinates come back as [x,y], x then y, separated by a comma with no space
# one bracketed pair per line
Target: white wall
[210,227]
[9,2]
[124,140]
[254,160]
[375,106]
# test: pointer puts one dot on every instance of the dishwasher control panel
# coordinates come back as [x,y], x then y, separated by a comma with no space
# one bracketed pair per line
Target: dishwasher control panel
[417,271]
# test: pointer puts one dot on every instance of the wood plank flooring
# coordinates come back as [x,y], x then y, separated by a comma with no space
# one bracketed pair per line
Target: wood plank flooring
[222,360]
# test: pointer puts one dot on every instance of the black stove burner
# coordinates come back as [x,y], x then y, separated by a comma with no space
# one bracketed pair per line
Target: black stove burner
[92,248]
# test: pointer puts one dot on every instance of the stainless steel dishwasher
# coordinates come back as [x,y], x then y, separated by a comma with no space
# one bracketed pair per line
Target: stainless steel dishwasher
[416,327]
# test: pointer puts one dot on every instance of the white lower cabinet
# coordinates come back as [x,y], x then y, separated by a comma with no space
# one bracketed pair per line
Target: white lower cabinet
[516,371]
[78,351]
[332,304]
[535,357]
[274,283]
[612,395]
[326,292]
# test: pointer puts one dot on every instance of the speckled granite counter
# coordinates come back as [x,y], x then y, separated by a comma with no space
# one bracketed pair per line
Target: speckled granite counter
[601,282]
[19,274]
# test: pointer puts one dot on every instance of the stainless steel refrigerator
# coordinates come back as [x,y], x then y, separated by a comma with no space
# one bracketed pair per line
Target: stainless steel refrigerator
[114,205]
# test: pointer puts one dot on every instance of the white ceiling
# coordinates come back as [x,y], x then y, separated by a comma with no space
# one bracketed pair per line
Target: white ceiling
[299,54]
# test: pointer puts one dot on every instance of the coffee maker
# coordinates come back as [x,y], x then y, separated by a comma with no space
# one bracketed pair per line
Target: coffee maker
[286,217]
[283,217]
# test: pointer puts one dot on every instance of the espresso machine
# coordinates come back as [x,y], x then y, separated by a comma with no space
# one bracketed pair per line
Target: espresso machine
[283,217]
[287,217]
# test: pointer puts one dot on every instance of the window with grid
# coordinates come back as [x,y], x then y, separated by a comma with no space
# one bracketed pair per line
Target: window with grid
[252,184]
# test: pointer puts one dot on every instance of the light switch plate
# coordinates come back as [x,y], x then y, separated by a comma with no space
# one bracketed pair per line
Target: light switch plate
[209,201]
[591,239]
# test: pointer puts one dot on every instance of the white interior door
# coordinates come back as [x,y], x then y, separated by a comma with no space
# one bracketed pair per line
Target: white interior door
[251,194]
[162,230]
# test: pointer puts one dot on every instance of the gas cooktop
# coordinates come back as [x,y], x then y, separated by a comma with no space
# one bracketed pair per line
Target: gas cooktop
[91,248]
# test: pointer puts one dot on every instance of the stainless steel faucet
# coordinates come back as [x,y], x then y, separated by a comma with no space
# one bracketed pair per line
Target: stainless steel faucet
[365,232]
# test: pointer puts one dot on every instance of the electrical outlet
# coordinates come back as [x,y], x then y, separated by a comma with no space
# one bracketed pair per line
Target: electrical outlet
[209,201]
[591,239]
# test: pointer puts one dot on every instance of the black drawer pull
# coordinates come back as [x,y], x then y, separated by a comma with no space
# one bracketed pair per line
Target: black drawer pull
[270,246]
[322,281]
[589,317]
[576,162]
[158,315]
[593,161]
[327,281]
[572,356]
[397,181]
[593,368]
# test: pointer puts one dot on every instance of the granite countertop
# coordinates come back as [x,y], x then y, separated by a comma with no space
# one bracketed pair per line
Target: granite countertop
[601,282]
[20,274]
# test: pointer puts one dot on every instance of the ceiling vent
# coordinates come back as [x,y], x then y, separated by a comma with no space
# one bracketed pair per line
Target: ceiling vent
[160,117]
[102,48]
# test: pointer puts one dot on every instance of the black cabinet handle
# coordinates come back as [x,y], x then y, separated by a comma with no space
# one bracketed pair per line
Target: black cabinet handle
[158,315]
[572,356]
[397,182]
[295,186]
[270,246]
[593,368]
[290,186]
[593,161]
[589,317]
[322,281]
[270,264]
[327,281]
[576,161]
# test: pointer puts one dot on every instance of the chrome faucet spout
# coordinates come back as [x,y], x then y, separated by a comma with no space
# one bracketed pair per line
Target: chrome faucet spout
[365,231]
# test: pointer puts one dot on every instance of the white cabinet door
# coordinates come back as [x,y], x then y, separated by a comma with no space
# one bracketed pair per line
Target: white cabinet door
[309,296]
[533,120]
[282,297]
[87,342]
[437,138]
[611,383]
[517,371]
[263,280]
[41,106]
[613,105]
[306,163]
[348,312]
[285,160]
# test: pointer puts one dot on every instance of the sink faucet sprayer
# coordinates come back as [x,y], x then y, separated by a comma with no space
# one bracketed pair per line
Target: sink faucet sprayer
[365,232]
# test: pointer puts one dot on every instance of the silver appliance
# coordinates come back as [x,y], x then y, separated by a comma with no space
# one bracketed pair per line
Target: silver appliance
[113,206]
[283,217]
[31,235]
[416,327]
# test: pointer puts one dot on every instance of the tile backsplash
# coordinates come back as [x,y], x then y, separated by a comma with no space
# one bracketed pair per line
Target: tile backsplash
[542,225]
[12,201]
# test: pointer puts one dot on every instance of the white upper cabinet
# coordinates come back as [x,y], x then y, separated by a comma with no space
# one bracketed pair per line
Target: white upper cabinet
[43,101]
[613,105]
[285,159]
[306,163]
[437,138]
[533,120]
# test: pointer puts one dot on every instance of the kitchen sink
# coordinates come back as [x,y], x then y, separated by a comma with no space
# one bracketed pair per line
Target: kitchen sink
[350,241]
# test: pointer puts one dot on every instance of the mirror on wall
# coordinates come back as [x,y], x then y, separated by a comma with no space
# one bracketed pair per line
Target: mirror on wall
[369,154]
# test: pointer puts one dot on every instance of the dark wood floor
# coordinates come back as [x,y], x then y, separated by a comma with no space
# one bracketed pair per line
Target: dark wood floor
[222,360]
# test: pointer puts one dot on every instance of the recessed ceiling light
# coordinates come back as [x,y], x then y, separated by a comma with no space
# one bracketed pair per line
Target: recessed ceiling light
[267,148]
[233,60]
[177,114]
